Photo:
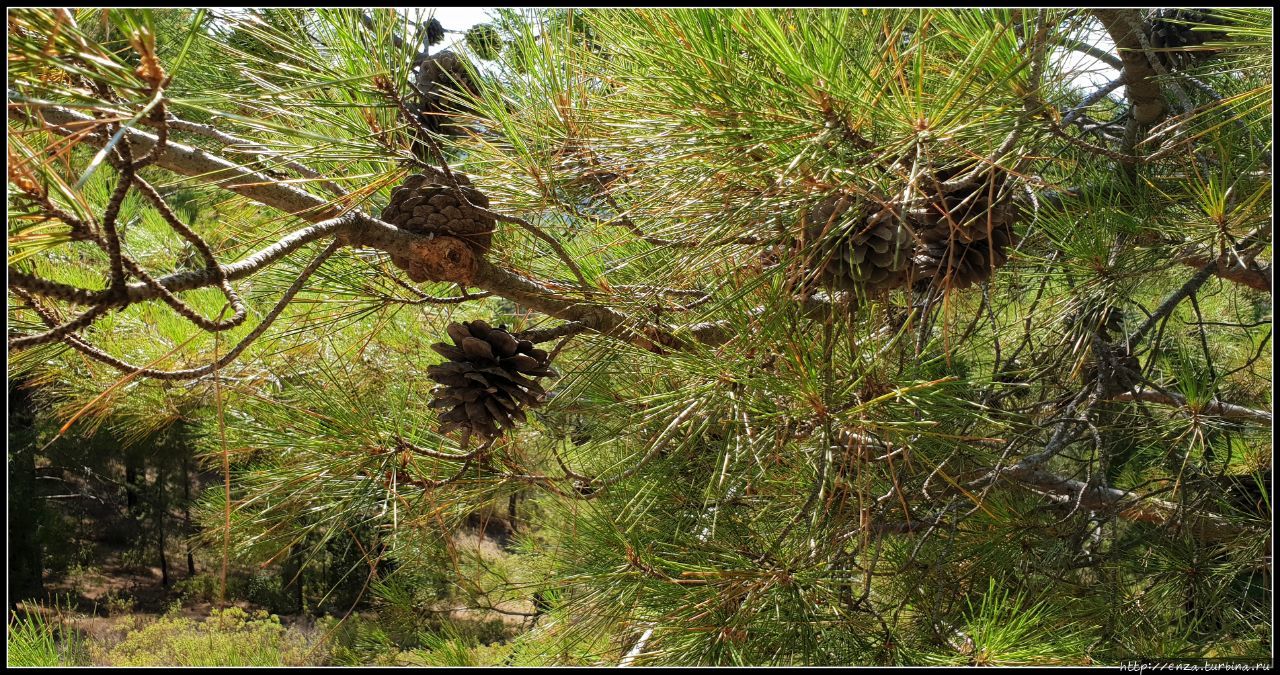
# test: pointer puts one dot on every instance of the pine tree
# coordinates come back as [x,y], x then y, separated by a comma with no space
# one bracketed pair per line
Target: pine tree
[887,339]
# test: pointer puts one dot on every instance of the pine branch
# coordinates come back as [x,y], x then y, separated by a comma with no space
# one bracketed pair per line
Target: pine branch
[237,143]
[191,373]
[354,228]
[1228,410]
[190,161]
[1128,505]
[1230,267]
[188,280]
[1139,75]
[1095,96]
[1171,302]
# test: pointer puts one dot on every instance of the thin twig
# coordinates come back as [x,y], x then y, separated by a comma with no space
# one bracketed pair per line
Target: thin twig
[230,356]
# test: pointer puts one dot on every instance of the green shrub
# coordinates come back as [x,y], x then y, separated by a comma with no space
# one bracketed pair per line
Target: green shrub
[139,557]
[263,588]
[200,588]
[119,605]
[230,637]
[450,650]
[479,631]
[358,641]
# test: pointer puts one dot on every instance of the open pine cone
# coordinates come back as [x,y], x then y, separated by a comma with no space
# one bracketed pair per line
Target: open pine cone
[964,234]
[870,251]
[488,380]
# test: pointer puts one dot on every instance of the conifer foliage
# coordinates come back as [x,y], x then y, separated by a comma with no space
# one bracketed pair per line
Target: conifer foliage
[880,336]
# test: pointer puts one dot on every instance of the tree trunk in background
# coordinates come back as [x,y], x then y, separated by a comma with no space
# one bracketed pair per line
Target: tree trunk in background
[162,509]
[186,517]
[291,577]
[26,556]
[132,502]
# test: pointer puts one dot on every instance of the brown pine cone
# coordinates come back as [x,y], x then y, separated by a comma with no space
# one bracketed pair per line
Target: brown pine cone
[961,236]
[489,379]
[1177,44]
[426,204]
[443,78]
[858,248]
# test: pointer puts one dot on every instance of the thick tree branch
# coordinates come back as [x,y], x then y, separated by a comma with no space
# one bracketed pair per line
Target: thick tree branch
[190,161]
[240,144]
[539,335]
[548,299]
[1139,74]
[1228,410]
[1231,268]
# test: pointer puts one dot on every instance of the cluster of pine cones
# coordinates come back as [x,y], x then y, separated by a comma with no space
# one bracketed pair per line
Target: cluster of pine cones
[934,238]
[489,379]
[1173,35]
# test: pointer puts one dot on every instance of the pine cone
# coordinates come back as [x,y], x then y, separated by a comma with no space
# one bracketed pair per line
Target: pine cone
[485,41]
[442,78]
[435,32]
[963,235]
[1121,368]
[426,204]
[1172,29]
[858,248]
[488,379]
[936,240]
